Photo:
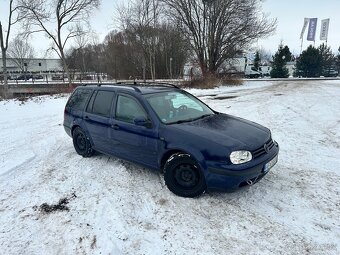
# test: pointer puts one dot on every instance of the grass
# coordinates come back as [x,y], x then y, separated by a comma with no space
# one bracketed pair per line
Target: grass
[210,82]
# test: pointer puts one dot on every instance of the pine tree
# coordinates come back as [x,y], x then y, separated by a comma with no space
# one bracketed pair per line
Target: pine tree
[257,60]
[337,60]
[327,59]
[309,63]
[280,59]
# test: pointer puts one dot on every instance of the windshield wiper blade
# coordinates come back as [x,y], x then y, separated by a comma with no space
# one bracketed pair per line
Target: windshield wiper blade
[182,121]
[203,116]
[190,120]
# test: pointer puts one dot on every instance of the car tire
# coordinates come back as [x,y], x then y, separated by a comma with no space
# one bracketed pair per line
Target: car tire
[82,143]
[183,176]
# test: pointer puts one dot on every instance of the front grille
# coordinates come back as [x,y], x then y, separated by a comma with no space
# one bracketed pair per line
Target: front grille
[261,151]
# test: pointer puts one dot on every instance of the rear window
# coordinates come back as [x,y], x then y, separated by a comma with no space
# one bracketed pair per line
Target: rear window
[79,99]
[101,103]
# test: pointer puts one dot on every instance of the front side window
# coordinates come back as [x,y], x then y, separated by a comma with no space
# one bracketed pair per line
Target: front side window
[101,103]
[128,109]
[175,107]
[79,99]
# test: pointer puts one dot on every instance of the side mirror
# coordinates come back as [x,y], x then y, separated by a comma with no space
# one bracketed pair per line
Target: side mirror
[142,121]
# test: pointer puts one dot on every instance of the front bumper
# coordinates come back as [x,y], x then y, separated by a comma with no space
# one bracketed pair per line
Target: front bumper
[220,176]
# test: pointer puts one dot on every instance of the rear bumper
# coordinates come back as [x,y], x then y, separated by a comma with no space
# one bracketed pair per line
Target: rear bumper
[231,177]
[68,130]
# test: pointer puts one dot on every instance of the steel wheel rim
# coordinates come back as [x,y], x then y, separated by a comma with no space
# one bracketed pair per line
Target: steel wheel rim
[186,176]
[81,142]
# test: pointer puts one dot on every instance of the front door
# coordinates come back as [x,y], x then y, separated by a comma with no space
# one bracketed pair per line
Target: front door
[133,142]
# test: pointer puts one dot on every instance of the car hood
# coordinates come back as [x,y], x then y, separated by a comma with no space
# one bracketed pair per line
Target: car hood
[228,131]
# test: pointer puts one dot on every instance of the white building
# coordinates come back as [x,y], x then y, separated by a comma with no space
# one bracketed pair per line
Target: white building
[34,65]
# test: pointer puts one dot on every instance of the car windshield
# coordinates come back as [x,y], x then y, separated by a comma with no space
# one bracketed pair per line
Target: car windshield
[177,107]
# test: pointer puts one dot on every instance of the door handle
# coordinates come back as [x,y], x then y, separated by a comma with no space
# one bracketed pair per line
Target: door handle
[115,127]
[86,118]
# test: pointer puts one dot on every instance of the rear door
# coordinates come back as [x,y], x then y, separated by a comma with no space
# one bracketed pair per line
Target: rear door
[137,143]
[97,119]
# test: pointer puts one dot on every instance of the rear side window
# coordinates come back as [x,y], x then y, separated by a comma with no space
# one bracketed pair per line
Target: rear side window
[101,102]
[79,99]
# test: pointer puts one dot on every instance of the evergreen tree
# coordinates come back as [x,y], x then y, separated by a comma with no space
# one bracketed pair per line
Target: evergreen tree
[280,59]
[287,54]
[257,60]
[327,59]
[309,63]
[337,60]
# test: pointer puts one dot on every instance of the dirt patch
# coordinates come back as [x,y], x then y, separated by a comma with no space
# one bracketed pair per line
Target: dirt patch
[225,97]
[60,206]
[278,94]
[162,201]
[22,99]
[94,242]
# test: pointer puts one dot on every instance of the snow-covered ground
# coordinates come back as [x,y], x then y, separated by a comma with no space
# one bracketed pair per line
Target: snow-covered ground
[116,207]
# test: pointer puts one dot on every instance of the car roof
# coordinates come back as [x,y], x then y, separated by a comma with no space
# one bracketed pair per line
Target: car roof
[138,87]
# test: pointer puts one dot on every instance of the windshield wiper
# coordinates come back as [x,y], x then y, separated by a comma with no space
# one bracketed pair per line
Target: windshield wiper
[203,116]
[182,121]
[191,119]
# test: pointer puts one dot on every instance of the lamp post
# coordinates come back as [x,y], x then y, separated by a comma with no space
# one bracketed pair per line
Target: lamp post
[170,68]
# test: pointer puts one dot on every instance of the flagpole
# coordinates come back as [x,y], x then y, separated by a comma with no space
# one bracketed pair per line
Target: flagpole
[305,23]
[324,30]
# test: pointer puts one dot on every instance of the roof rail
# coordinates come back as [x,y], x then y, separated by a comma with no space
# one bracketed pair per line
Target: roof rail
[148,83]
[128,84]
[134,84]
[157,83]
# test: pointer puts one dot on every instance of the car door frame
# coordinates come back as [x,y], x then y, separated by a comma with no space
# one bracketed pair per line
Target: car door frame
[101,139]
[151,136]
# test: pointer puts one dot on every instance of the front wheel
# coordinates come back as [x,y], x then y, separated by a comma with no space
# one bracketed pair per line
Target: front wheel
[183,176]
[82,143]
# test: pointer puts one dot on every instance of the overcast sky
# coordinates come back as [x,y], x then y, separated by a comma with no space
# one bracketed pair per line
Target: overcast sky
[289,13]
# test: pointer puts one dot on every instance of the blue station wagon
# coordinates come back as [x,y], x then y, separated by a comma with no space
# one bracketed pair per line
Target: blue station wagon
[163,127]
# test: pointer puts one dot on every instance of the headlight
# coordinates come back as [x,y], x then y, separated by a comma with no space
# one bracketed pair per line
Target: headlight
[239,157]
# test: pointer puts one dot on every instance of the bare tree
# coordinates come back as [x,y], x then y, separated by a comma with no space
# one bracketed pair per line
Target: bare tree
[13,17]
[219,29]
[59,20]
[140,18]
[265,56]
[21,52]
[80,43]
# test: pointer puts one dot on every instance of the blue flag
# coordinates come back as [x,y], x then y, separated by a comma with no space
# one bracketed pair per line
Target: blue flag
[312,29]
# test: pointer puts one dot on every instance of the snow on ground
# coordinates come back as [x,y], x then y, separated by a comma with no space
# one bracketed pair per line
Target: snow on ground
[116,207]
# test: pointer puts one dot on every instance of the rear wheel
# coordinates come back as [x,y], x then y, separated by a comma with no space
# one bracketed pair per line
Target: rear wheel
[183,176]
[82,143]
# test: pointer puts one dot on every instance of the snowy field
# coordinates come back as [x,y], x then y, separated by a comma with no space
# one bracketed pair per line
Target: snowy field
[116,207]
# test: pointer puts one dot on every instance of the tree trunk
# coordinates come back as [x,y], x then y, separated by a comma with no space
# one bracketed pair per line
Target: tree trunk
[151,65]
[63,59]
[6,93]
[4,66]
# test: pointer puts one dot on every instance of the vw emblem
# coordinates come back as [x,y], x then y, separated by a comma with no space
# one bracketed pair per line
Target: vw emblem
[266,148]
